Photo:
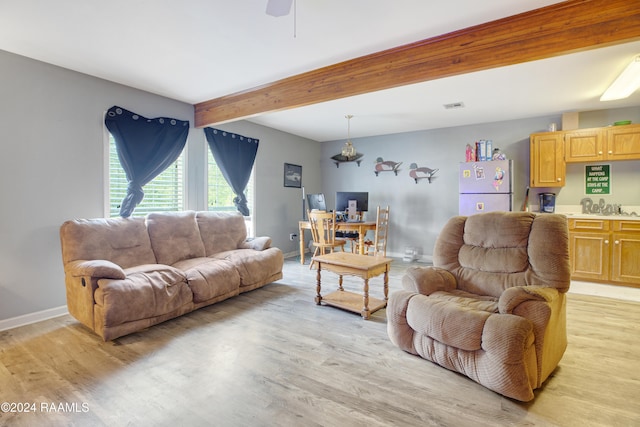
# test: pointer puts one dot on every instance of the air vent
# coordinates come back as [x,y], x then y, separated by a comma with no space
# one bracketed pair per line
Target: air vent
[454,105]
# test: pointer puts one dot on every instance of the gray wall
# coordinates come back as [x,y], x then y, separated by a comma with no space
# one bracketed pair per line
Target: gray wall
[52,141]
[624,174]
[278,208]
[418,211]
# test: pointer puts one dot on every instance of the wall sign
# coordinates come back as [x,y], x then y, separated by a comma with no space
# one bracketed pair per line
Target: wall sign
[597,179]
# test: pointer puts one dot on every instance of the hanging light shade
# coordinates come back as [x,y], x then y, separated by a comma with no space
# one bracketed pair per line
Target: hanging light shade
[349,151]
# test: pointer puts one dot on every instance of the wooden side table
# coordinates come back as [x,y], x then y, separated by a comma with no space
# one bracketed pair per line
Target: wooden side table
[364,266]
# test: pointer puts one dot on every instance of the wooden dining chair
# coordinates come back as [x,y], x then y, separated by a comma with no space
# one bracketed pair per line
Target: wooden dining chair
[323,231]
[379,244]
[351,237]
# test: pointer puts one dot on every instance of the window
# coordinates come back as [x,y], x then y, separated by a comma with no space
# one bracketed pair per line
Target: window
[220,195]
[165,193]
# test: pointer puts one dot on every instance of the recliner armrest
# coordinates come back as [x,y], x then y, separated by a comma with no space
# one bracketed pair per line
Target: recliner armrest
[99,268]
[257,243]
[512,297]
[426,280]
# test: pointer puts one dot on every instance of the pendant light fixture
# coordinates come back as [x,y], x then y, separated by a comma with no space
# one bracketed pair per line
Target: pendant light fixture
[349,151]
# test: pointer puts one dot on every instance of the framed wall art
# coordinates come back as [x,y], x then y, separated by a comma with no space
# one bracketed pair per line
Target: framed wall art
[292,175]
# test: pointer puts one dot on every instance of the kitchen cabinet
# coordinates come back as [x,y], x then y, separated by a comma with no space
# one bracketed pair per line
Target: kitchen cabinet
[605,250]
[547,165]
[585,145]
[589,249]
[625,256]
[598,144]
[551,151]
[623,142]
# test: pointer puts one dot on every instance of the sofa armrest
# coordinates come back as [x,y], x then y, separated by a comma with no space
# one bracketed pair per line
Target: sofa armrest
[511,298]
[81,281]
[95,268]
[257,243]
[426,280]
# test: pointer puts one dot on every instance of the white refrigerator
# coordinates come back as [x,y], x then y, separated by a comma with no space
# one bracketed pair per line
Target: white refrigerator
[485,187]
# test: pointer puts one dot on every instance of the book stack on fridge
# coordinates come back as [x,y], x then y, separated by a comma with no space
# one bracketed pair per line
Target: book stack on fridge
[481,151]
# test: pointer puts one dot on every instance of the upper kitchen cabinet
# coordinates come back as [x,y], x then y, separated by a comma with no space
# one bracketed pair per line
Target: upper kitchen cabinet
[547,165]
[623,142]
[584,145]
[612,143]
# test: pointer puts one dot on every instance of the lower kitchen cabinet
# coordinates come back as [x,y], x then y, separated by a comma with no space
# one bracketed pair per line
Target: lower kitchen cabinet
[625,252]
[589,249]
[605,250]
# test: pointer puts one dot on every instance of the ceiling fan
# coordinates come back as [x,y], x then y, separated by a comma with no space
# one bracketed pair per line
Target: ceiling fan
[279,7]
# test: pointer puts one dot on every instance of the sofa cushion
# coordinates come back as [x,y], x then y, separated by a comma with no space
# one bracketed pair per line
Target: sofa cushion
[123,241]
[221,231]
[254,266]
[456,321]
[147,291]
[210,278]
[174,236]
[468,300]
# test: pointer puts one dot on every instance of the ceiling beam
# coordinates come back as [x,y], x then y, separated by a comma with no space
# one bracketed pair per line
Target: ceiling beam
[559,29]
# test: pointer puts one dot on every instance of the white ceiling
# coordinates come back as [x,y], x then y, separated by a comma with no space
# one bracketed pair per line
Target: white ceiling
[196,50]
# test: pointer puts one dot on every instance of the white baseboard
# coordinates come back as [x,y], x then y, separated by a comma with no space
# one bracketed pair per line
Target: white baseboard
[30,318]
[292,254]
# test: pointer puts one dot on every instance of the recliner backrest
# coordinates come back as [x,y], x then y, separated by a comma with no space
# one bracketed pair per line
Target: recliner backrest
[493,251]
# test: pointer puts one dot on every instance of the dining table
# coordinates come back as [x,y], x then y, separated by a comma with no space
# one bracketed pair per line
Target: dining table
[360,227]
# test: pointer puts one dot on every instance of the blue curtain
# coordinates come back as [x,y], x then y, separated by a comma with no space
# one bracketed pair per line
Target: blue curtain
[145,147]
[234,155]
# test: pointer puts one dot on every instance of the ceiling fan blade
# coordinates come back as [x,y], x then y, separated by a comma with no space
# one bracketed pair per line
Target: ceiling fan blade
[279,7]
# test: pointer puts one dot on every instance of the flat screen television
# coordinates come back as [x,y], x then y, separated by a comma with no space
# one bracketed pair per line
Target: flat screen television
[316,201]
[361,198]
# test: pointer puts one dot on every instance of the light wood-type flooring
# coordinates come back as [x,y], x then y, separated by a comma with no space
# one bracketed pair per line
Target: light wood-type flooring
[271,357]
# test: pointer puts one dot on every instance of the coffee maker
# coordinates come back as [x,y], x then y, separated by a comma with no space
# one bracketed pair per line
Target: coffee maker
[547,202]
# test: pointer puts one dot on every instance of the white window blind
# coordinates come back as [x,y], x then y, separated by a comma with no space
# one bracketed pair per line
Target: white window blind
[165,193]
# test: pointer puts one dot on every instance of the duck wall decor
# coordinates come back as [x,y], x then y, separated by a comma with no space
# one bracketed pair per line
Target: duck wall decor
[386,166]
[420,173]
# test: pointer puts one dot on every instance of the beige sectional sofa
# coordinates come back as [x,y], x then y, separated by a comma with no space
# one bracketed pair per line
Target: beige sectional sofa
[126,274]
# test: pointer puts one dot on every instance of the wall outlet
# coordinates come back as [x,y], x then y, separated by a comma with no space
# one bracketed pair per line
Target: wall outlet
[292,236]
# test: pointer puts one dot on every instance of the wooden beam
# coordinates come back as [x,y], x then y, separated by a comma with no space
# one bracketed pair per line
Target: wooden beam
[559,29]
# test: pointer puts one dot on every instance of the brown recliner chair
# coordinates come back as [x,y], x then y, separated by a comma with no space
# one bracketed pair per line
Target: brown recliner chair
[492,307]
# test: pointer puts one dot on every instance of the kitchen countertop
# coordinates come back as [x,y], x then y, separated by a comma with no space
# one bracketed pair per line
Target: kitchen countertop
[575,211]
[593,216]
